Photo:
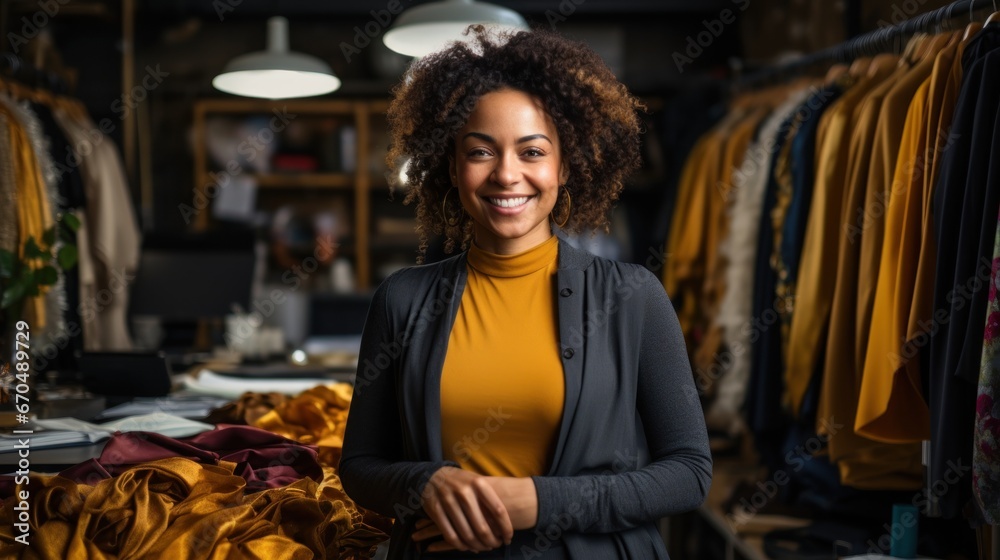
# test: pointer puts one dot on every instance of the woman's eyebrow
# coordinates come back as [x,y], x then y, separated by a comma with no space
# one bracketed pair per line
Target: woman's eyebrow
[488,138]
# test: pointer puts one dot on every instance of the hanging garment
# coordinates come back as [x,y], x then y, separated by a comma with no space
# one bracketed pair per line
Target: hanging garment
[964,207]
[68,183]
[34,214]
[814,288]
[803,174]
[8,190]
[53,327]
[786,200]
[693,239]
[706,356]
[862,463]
[738,248]
[888,136]
[891,406]
[114,242]
[763,403]
[986,444]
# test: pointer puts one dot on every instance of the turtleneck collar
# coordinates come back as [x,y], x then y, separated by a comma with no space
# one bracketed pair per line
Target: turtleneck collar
[511,266]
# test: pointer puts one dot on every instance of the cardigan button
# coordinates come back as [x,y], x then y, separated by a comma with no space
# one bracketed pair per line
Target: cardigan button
[566,292]
[568,353]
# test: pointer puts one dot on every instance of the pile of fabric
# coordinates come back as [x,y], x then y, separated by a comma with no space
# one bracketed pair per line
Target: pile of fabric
[238,491]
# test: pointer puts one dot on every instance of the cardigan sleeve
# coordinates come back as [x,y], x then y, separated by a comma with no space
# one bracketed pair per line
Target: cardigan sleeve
[679,474]
[373,469]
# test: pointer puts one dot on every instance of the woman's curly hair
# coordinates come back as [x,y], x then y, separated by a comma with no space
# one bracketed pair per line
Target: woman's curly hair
[594,114]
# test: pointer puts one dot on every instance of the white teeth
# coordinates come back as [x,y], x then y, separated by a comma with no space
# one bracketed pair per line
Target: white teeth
[509,202]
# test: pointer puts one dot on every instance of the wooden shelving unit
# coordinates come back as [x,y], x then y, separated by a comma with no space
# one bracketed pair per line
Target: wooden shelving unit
[362,182]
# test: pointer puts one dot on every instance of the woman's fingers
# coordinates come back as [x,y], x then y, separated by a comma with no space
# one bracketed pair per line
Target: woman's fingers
[480,534]
[467,511]
[426,529]
[496,512]
[437,513]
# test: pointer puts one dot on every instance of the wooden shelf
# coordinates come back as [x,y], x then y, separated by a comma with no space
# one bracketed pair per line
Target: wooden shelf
[362,114]
[305,180]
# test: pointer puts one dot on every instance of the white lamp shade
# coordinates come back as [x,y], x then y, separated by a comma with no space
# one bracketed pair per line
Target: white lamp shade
[427,28]
[276,73]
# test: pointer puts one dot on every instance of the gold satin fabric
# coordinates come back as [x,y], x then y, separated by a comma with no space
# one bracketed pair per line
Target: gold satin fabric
[179,509]
[316,416]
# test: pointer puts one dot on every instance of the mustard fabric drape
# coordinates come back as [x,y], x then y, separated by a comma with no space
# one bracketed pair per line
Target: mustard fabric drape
[34,214]
[862,463]
[694,275]
[734,147]
[824,233]
[892,406]
[8,191]
[179,509]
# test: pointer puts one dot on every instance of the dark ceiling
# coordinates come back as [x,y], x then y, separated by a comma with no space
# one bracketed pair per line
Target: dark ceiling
[258,8]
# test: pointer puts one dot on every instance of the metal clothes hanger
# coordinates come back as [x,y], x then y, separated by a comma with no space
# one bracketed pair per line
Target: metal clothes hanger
[994,17]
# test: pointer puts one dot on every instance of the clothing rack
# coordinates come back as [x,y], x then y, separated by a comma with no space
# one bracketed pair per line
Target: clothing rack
[868,44]
[15,68]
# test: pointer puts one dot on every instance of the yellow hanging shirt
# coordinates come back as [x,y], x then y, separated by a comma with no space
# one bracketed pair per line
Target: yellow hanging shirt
[502,385]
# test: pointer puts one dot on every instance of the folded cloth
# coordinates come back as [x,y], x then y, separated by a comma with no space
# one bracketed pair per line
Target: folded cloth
[261,458]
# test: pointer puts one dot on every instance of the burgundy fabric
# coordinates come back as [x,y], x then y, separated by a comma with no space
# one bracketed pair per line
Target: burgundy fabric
[263,459]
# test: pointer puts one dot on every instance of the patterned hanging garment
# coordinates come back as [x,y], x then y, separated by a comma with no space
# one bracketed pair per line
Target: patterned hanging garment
[986,451]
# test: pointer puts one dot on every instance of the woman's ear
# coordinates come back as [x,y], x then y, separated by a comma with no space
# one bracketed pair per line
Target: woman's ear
[453,171]
[563,173]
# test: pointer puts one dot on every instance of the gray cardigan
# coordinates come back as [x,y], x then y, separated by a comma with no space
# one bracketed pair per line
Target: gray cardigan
[632,444]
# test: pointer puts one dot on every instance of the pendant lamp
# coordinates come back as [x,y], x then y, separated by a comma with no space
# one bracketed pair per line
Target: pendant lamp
[429,27]
[276,73]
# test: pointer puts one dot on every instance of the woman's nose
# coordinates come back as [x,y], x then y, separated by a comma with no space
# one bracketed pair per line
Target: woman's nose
[507,171]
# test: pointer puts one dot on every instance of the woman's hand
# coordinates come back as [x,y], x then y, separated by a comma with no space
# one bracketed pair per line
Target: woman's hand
[465,510]
[519,497]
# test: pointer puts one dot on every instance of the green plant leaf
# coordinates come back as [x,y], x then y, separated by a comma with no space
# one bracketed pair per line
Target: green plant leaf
[71,221]
[47,275]
[28,279]
[7,263]
[67,257]
[13,294]
[49,237]
[32,250]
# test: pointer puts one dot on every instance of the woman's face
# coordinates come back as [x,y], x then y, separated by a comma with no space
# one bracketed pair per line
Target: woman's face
[507,168]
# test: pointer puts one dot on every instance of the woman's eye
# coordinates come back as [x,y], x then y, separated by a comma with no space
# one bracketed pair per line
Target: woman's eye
[478,152]
[533,152]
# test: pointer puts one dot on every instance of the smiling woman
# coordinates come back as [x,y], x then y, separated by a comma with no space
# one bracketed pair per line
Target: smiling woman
[589,119]
[491,416]
[507,168]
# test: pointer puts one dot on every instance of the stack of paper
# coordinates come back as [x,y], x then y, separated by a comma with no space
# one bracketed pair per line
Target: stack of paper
[58,432]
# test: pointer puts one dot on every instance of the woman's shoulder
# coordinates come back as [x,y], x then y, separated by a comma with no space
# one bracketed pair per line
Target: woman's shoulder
[415,278]
[613,271]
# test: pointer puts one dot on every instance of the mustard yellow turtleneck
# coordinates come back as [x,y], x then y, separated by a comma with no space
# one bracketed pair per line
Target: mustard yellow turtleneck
[502,386]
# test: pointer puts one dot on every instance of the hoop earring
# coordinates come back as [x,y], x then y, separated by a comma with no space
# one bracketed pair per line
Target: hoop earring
[453,220]
[569,209]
